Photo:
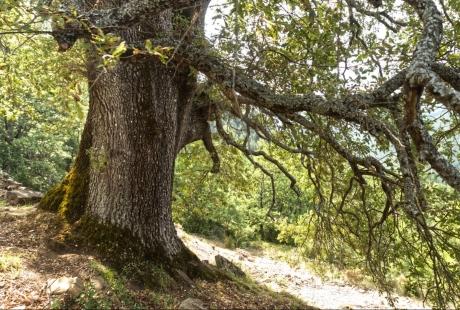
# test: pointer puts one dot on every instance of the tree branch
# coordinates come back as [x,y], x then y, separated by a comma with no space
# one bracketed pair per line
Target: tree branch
[228,139]
[133,12]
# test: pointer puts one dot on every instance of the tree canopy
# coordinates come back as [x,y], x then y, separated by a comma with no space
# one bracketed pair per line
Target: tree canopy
[353,105]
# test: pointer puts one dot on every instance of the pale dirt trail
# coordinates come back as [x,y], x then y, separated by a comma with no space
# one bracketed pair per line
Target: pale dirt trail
[299,282]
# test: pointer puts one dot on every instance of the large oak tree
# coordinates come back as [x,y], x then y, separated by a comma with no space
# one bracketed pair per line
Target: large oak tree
[167,84]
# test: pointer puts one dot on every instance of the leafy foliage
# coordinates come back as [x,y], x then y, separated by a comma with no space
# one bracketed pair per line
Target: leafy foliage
[42,106]
[325,225]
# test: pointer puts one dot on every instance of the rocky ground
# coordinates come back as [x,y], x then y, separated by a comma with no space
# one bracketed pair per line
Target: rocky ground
[299,282]
[36,272]
[14,193]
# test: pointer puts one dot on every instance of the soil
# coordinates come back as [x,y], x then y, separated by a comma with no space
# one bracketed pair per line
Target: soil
[297,281]
[31,238]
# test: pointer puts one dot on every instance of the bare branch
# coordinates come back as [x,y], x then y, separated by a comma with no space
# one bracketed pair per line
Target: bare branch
[381,17]
[228,139]
[430,153]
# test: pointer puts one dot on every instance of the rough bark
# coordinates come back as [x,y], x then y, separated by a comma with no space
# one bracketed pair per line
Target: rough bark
[69,197]
[420,76]
[141,115]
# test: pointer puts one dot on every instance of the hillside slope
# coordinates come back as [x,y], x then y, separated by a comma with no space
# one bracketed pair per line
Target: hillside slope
[30,256]
[297,281]
[33,261]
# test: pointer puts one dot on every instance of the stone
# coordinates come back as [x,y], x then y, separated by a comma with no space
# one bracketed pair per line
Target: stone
[192,304]
[183,278]
[98,283]
[135,285]
[227,265]
[35,297]
[65,285]
[22,196]
[10,184]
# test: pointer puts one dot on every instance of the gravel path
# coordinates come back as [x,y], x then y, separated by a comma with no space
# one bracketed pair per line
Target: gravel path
[299,282]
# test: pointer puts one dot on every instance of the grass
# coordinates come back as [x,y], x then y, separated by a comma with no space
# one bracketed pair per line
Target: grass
[163,300]
[152,275]
[10,262]
[159,284]
[89,299]
[162,290]
[117,286]
[282,252]
[248,286]
[56,304]
[140,284]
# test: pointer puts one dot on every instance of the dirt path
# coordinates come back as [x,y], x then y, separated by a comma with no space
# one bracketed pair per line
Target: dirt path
[299,282]
[24,232]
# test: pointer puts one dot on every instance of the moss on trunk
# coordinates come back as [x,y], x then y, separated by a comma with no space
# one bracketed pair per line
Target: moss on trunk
[69,197]
[120,248]
[139,113]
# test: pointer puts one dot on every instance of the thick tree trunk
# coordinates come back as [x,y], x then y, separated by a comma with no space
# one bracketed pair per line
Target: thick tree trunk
[133,153]
[140,116]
